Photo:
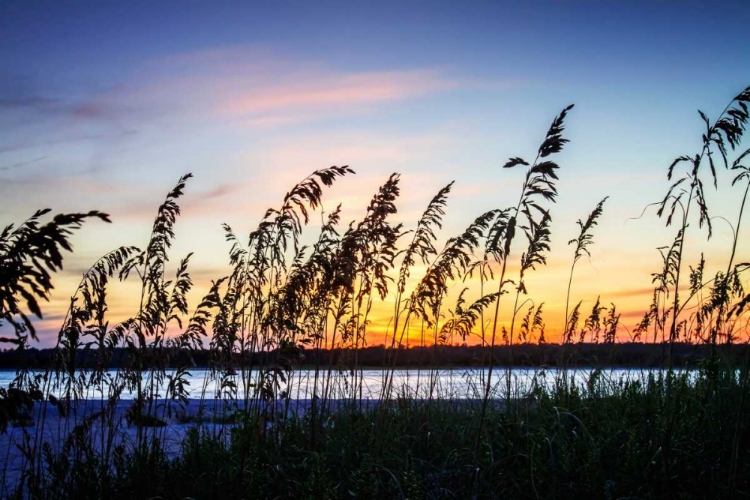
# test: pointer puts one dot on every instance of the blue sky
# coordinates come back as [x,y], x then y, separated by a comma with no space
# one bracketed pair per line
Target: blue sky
[104,104]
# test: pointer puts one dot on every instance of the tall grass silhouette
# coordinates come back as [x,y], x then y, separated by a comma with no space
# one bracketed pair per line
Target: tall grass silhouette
[285,408]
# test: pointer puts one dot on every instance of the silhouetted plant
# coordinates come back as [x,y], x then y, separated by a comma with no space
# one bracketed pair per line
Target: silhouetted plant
[584,240]
[284,302]
[726,132]
[28,254]
[593,324]
[539,183]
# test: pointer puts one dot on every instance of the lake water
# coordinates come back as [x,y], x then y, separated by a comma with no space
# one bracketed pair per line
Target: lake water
[453,383]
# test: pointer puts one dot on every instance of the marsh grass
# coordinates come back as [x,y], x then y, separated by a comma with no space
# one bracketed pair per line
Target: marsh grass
[667,433]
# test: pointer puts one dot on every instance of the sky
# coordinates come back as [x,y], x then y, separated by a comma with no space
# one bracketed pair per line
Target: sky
[103,105]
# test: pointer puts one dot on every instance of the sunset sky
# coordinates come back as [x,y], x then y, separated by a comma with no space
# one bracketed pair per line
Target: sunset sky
[103,105]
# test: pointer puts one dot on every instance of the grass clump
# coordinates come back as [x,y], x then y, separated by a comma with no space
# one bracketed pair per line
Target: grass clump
[666,433]
[602,439]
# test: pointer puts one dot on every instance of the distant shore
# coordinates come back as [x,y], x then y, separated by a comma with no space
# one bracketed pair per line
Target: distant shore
[620,355]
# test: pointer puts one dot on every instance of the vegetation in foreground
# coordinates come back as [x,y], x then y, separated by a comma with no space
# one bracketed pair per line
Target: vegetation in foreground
[671,435]
[605,439]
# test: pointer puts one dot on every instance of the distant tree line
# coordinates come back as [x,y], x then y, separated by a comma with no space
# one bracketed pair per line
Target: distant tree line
[634,355]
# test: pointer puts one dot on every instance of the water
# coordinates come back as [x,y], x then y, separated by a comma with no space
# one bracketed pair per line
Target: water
[452,383]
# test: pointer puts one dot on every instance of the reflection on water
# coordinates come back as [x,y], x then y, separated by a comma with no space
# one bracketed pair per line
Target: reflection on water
[454,383]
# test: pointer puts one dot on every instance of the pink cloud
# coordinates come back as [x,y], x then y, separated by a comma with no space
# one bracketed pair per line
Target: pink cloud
[255,87]
[333,91]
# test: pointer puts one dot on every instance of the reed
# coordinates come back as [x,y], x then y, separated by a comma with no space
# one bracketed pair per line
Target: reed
[285,408]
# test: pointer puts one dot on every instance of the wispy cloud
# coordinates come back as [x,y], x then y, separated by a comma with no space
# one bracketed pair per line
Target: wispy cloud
[21,164]
[634,292]
[332,92]
[235,87]
[257,88]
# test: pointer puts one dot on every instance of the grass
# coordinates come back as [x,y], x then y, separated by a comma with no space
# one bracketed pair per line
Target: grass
[601,440]
[670,434]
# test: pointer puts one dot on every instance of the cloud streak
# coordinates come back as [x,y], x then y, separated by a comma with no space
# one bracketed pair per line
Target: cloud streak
[21,164]
[326,91]
[256,89]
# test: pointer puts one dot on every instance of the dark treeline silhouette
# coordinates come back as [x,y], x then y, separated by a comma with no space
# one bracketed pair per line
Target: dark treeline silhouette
[630,355]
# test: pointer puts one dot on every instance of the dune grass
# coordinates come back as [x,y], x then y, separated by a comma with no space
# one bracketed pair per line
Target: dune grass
[669,434]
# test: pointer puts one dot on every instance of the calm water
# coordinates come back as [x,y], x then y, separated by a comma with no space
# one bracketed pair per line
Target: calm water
[454,383]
